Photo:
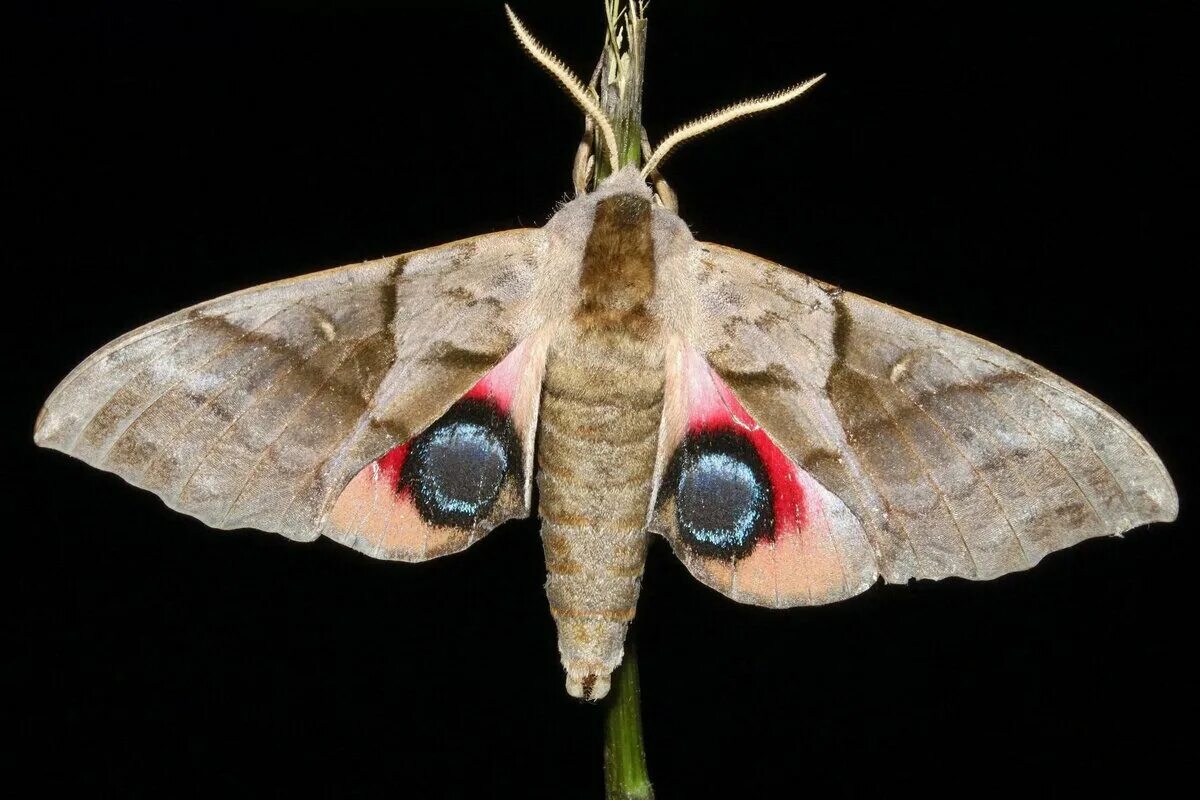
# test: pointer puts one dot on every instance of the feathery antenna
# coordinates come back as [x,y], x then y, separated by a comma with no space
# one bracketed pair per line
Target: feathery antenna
[719,118]
[575,88]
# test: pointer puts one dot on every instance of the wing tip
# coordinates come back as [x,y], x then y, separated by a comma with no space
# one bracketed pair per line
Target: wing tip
[48,429]
[54,431]
[1168,511]
[1158,502]
[1170,508]
[40,436]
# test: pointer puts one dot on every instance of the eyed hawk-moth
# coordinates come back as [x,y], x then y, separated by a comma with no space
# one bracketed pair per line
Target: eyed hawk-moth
[793,442]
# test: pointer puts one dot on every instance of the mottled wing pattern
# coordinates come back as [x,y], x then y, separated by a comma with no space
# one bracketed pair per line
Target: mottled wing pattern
[958,457]
[256,409]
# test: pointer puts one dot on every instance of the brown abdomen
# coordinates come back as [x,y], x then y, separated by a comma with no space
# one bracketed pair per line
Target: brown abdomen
[598,437]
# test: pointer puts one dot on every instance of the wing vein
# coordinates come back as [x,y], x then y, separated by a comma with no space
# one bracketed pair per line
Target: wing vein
[1031,434]
[229,381]
[1096,453]
[150,362]
[91,360]
[350,351]
[192,370]
[912,448]
[259,395]
[966,457]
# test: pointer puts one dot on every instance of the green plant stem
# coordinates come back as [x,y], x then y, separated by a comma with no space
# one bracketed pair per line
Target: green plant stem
[620,94]
[621,72]
[625,773]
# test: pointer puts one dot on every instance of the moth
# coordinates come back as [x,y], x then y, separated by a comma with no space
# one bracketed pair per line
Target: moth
[793,442]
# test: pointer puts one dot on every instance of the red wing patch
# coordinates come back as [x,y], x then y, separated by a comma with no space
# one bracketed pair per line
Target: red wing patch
[714,413]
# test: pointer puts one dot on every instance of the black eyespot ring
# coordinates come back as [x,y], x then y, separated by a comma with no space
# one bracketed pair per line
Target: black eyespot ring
[723,496]
[457,466]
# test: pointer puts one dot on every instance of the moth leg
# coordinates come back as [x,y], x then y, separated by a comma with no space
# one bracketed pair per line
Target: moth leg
[664,193]
[662,189]
[581,170]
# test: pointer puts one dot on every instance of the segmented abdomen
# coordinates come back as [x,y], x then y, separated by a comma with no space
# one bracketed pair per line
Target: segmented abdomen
[598,437]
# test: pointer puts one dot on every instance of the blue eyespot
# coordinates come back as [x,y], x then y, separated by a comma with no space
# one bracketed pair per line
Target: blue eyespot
[457,467]
[722,495]
[467,464]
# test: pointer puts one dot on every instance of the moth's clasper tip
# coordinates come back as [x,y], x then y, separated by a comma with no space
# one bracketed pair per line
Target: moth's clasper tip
[588,687]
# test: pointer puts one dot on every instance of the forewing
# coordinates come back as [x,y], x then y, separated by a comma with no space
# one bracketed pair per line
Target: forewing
[256,409]
[956,456]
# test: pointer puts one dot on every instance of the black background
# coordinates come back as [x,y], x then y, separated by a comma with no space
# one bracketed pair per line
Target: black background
[1004,169]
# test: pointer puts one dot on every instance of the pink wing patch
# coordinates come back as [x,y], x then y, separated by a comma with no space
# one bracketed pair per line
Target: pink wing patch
[745,518]
[503,384]
[447,486]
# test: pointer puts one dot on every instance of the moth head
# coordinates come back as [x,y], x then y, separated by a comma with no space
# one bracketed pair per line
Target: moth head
[627,180]
[623,31]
